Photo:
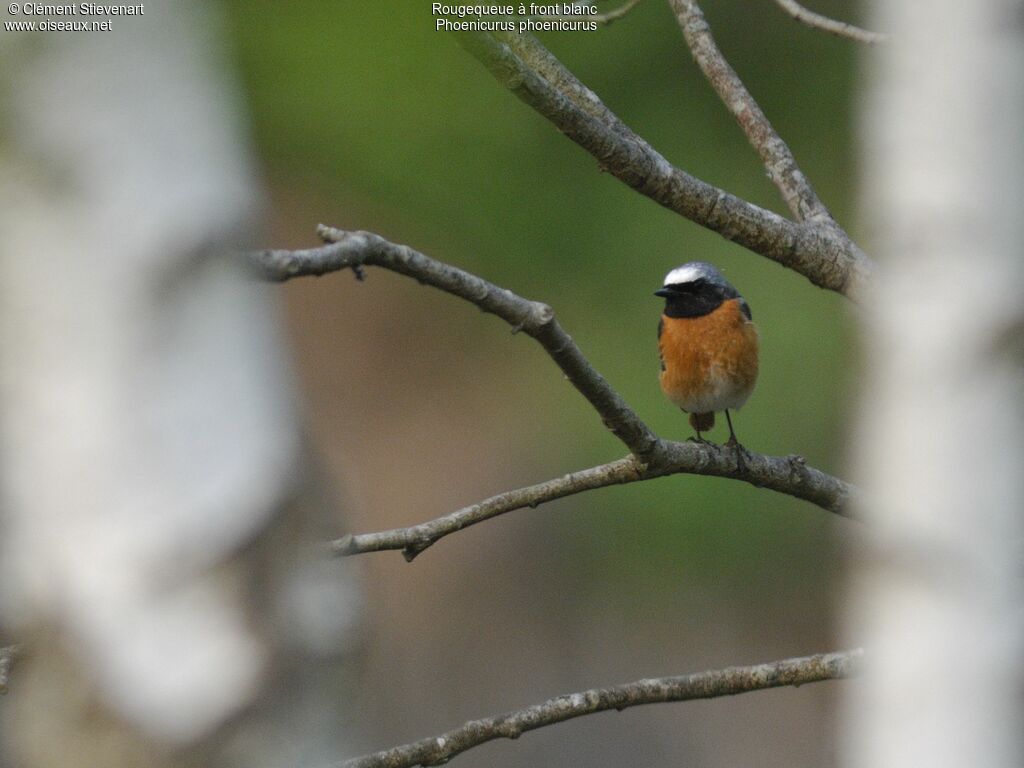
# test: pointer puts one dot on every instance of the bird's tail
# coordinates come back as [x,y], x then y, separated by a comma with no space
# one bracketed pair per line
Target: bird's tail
[702,422]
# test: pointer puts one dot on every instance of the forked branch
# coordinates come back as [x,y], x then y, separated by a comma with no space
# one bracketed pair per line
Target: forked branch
[437,750]
[650,457]
[778,160]
[823,254]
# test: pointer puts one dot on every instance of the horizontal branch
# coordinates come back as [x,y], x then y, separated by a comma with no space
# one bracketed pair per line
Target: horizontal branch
[353,250]
[785,474]
[824,23]
[823,254]
[703,685]
[778,160]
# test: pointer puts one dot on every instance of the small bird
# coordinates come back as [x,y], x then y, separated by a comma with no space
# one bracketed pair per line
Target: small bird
[708,346]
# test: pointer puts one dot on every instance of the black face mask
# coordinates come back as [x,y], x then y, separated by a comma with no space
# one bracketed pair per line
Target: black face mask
[694,299]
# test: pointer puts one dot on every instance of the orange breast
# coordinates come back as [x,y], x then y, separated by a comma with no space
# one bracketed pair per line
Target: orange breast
[710,362]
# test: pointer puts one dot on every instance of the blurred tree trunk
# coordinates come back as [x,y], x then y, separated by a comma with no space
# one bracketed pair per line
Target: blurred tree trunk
[937,601]
[158,562]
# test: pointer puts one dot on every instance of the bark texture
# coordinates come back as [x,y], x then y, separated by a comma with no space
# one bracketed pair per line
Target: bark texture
[941,443]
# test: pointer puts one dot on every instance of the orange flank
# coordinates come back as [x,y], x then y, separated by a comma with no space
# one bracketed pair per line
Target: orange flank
[709,362]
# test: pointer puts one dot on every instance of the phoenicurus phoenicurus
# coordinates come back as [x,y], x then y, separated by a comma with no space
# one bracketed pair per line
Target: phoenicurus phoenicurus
[708,346]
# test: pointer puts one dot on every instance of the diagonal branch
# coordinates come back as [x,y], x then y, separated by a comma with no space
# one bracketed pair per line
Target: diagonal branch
[824,23]
[825,255]
[785,474]
[703,685]
[352,250]
[651,456]
[416,538]
[778,160]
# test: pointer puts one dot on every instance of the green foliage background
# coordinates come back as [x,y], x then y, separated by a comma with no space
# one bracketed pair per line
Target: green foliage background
[364,104]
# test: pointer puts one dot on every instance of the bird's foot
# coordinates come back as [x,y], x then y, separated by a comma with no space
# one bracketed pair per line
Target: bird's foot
[742,454]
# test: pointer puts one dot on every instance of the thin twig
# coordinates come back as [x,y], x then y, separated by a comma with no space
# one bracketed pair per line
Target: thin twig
[615,14]
[598,18]
[348,250]
[652,457]
[832,26]
[785,474]
[825,255]
[414,539]
[778,160]
[703,685]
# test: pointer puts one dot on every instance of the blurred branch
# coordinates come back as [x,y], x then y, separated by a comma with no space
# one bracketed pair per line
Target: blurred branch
[825,24]
[822,253]
[782,168]
[7,656]
[789,475]
[703,685]
[651,456]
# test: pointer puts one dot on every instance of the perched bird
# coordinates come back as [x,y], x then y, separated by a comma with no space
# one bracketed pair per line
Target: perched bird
[708,346]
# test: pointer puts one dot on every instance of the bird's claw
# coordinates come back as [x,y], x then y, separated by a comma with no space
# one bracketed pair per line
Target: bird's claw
[742,454]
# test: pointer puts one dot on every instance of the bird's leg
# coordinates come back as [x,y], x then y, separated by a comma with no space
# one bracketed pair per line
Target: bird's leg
[702,422]
[741,464]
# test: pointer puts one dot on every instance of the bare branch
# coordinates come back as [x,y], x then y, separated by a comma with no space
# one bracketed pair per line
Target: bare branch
[615,14]
[414,539]
[703,685]
[652,457]
[823,254]
[352,250]
[825,24]
[782,168]
[785,474]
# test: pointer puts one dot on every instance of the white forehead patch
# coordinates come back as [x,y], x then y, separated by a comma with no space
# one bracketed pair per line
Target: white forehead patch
[684,274]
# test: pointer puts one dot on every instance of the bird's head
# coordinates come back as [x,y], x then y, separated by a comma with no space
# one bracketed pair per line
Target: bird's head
[696,289]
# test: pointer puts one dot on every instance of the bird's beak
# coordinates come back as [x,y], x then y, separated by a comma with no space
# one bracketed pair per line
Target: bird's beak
[663,292]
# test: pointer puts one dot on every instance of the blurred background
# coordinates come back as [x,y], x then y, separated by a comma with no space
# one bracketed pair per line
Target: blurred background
[364,117]
[412,403]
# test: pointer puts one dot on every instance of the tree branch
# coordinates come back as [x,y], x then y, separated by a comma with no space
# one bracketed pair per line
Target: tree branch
[785,474]
[703,685]
[778,160]
[825,255]
[598,18]
[651,456]
[352,250]
[825,24]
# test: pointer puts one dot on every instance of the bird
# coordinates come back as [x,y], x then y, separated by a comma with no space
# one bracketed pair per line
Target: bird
[708,346]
